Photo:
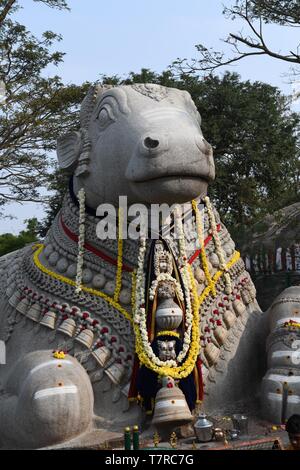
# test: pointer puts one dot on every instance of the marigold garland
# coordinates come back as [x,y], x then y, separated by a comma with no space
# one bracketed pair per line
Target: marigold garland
[39,248]
[200,234]
[168,333]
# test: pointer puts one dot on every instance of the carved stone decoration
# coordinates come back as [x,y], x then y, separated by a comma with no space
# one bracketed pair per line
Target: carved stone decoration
[156,130]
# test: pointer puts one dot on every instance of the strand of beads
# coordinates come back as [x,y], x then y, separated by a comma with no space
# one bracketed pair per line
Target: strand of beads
[80,255]
[218,245]
[120,259]
[200,234]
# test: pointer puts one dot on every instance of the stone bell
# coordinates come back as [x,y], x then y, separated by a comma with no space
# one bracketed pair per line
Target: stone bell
[246,297]
[238,307]
[115,372]
[67,327]
[23,305]
[49,320]
[34,312]
[220,334]
[85,337]
[168,315]
[101,355]
[14,298]
[171,407]
[229,318]
[211,353]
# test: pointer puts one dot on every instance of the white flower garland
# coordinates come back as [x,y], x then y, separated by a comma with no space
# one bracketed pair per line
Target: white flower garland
[218,245]
[186,285]
[139,313]
[81,198]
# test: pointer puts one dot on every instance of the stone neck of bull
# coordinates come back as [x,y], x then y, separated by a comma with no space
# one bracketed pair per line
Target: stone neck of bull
[100,256]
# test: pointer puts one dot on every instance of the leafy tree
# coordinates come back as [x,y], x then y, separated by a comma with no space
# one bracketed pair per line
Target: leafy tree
[36,109]
[253,133]
[254,14]
[10,242]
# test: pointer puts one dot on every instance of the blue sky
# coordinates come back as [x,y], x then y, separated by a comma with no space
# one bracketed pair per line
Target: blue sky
[116,37]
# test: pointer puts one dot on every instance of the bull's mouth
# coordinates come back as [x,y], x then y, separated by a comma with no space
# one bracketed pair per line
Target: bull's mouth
[172,177]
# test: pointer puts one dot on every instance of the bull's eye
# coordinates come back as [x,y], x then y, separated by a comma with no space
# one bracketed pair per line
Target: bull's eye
[105,117]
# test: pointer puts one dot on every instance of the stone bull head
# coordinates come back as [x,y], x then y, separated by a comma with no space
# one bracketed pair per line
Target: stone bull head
[142,141]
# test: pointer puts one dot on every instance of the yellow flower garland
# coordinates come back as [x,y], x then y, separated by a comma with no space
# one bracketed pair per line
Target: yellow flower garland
[168,333]
[200,232]
[119,260]
[39,248]
[187,367]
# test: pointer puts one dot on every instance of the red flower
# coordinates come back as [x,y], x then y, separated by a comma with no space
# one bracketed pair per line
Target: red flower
[216,312]
[65,317]
[85,315]
[95,322]
[225,298]
[219,323]
[113,339]
[220,304]
[206,329]
[238,297]
[104,330]
[54,304]
[121,349]
[99,344]
[212,320]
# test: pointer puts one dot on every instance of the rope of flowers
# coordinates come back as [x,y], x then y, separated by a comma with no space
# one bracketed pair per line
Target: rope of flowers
[200,235]
[191,336]
[218,245]
[38,250]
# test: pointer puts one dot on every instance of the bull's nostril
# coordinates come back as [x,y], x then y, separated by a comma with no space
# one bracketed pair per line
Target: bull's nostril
[151,143]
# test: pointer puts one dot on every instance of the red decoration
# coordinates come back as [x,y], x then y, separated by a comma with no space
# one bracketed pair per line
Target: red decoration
[169,385]
[85,315]
[104,330]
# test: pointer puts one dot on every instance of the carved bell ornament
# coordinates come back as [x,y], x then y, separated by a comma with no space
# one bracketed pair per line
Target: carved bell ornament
[34,312]
[220,334]
[23,305]
[171,405]
[229,318]
[67,327]
[168,315]
[49,320]
[101,355]
[211,353]
[238,307]
[85,337]
[115,372]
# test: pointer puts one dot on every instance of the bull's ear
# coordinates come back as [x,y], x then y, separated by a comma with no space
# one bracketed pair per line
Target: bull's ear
[68,150]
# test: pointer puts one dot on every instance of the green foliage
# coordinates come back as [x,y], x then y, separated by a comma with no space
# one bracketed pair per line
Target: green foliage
[10,242]
[36,111]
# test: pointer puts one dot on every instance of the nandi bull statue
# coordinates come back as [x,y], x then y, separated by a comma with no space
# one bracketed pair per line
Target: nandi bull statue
[91,325]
